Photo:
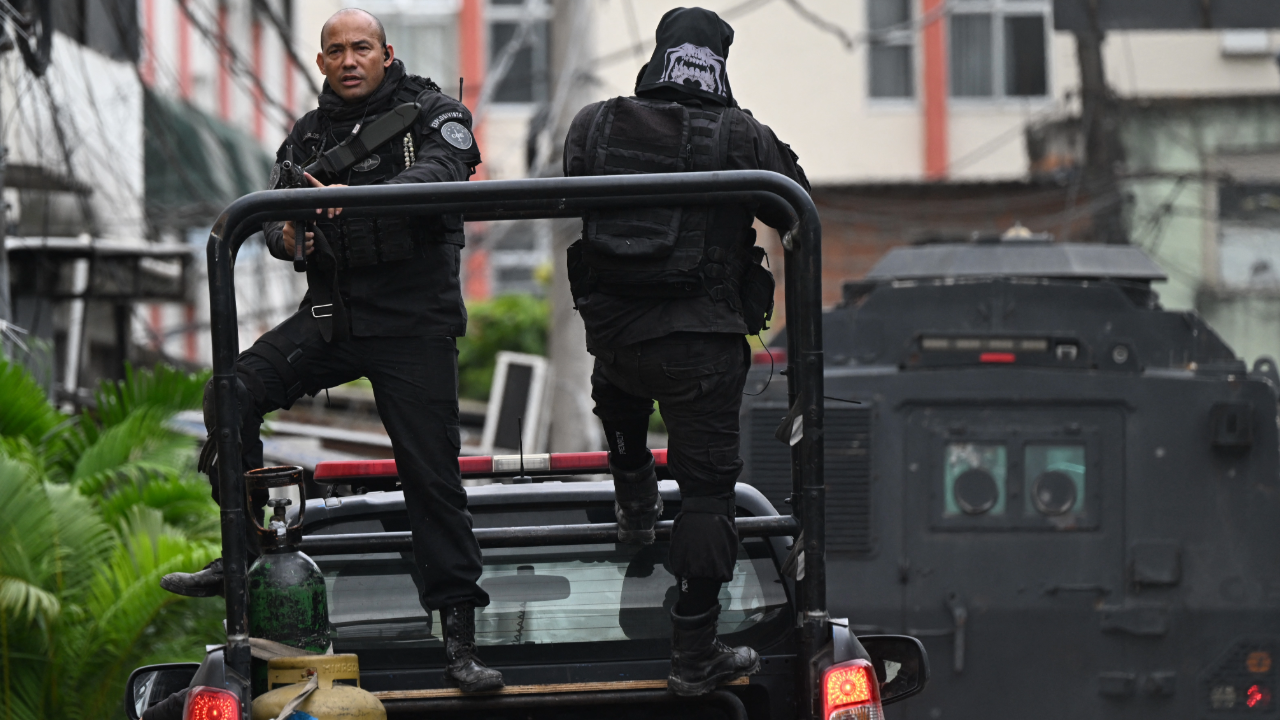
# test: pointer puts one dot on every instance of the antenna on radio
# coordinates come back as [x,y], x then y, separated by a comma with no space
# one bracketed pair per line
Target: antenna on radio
[459,88]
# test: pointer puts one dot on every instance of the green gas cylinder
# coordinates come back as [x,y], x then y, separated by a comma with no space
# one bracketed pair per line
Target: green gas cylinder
[287,599]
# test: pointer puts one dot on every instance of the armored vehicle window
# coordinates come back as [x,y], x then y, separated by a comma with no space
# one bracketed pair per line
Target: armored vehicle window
[1003,469]
[975,479]
[1055,477]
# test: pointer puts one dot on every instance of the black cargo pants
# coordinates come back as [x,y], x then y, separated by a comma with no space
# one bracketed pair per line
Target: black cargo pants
[697,379]
[415,386]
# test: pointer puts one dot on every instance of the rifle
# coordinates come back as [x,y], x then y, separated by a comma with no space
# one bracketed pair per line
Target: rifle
[358,146]
[291,176]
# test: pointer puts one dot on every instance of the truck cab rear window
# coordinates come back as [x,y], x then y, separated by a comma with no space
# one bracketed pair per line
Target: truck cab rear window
[541,595]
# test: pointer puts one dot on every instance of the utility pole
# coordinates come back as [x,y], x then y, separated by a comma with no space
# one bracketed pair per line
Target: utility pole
[1100,118]
[573,427]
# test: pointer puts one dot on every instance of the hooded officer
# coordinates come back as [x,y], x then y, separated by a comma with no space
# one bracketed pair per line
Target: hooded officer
[383,302]
[668,296]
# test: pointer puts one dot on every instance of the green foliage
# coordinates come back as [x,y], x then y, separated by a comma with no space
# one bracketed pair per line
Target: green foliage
[96,509]
[24,410]
[517,323]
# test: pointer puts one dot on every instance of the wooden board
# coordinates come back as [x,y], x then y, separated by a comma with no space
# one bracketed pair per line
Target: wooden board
[535,689]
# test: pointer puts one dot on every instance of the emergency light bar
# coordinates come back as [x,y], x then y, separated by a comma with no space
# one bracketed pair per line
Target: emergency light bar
[338,472]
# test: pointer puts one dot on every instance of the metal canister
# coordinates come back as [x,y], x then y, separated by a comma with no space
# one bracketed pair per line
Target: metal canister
[287,599]
[331,684]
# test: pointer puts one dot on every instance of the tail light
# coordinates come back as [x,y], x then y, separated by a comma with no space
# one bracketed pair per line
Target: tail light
[850,692]
[210,703]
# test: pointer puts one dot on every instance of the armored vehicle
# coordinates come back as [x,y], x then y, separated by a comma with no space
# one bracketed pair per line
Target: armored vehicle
[1073,492]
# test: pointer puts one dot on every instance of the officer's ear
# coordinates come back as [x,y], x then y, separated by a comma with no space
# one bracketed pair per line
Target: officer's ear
[388,54]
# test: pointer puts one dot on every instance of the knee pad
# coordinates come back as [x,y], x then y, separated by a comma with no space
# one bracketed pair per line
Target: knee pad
[249,392]
[704,540]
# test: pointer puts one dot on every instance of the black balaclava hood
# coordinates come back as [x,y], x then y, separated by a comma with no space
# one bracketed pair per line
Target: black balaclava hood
[693,45]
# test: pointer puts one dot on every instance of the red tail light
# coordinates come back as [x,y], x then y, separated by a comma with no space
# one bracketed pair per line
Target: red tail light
[850,692]
[210,703]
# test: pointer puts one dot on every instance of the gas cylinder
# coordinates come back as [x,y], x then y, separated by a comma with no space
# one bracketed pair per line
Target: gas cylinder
[291,676]
[287,599]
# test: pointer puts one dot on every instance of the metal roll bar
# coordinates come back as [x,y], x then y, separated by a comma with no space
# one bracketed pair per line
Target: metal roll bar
[545,197]
[529,536]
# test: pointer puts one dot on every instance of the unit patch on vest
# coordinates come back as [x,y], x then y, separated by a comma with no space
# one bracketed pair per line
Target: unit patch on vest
[695,65]
[367,164]
[456,135]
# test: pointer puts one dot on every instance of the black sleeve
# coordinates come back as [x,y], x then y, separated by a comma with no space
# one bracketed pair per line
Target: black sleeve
[273,236]
[448,151]
[755,147]
[435,162]
[575,142]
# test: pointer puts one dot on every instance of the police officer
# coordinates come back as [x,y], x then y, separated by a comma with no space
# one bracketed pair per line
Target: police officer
[384,302]
[668,296]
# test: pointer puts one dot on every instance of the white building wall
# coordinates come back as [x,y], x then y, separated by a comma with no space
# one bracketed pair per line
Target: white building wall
[804,83]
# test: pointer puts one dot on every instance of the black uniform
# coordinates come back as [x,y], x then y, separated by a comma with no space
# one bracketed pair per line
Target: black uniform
[393,320]
[663,292]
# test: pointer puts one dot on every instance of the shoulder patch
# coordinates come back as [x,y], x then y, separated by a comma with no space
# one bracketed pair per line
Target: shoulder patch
[456,135]
[445,117]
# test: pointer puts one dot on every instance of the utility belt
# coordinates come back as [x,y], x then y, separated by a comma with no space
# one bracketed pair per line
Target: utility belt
[365,241]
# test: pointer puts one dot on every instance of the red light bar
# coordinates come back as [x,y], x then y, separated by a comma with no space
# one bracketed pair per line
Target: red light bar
[482,466]
[997,357]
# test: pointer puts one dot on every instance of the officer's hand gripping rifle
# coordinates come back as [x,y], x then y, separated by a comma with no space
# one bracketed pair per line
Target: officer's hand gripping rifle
[292,176]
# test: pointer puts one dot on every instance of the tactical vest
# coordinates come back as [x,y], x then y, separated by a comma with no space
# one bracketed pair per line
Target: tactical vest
[667,251]
[365,241]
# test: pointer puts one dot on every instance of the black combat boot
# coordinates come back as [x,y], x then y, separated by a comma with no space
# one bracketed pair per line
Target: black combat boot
[460,650]
[699,661]
[637,504]
[205,583]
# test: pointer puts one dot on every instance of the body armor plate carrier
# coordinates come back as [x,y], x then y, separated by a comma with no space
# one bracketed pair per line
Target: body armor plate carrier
[665,251]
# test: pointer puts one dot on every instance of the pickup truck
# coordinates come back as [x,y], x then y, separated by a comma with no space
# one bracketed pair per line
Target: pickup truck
[578,624]
[604,630]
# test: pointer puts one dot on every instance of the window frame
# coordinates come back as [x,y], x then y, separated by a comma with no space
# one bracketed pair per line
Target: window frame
[999,10]
[514,13]
[905,37]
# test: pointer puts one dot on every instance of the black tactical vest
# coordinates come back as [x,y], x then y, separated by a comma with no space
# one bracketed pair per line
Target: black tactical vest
[360,242]
[668,251]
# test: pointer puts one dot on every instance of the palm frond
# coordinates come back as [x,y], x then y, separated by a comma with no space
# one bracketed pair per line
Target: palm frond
[163,387]
[139,441]
[24,602]
[24,409]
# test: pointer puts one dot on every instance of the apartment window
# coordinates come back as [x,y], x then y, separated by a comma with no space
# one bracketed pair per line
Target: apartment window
[525,80]
[1249,226]
[425,36]
[892,72]
[999,48]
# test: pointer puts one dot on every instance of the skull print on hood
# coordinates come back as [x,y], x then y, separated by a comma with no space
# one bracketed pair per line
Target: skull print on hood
[693,46]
